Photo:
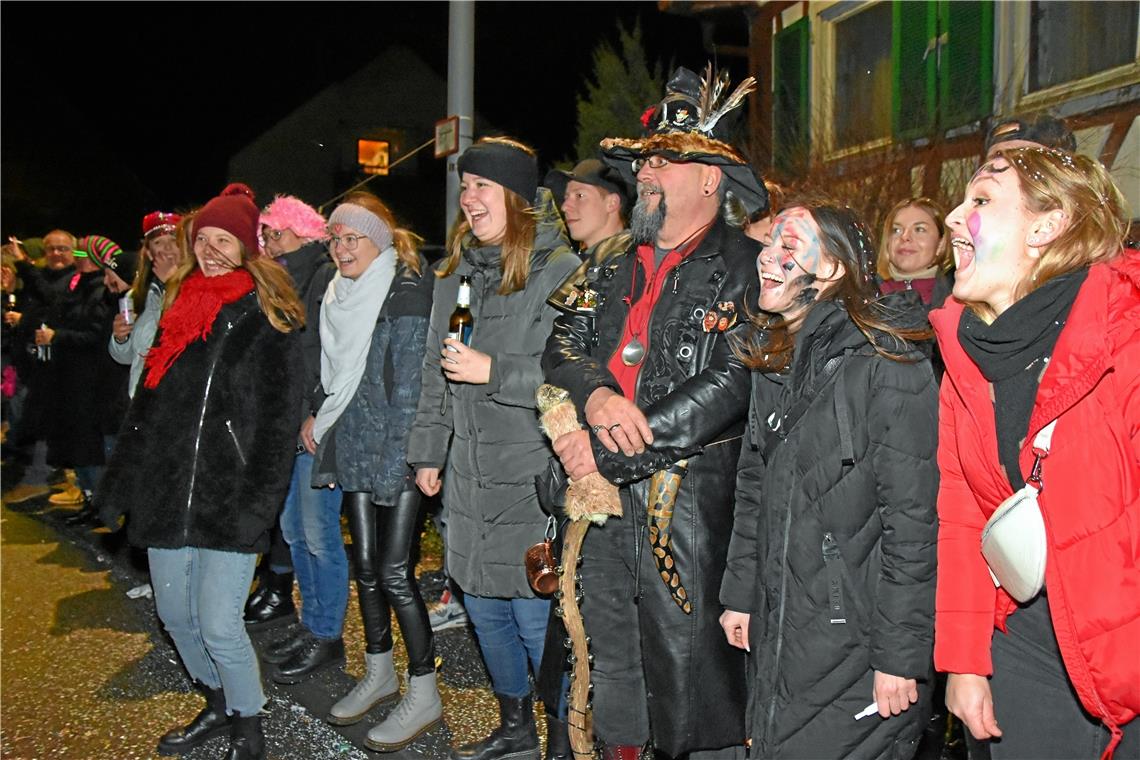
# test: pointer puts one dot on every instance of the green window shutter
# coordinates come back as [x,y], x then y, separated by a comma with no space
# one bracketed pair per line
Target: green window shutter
[967,61]
[914,58]
[791,122]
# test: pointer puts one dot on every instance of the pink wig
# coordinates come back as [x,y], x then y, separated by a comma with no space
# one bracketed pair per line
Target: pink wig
[289,213]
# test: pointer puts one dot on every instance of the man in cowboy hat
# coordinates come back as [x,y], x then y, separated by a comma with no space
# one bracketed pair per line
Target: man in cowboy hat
[650,367]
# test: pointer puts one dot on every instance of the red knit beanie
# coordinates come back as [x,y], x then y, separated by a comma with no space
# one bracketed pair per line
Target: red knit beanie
[235,212]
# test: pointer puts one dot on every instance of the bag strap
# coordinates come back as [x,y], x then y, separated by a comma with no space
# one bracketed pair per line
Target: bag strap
[1041,444]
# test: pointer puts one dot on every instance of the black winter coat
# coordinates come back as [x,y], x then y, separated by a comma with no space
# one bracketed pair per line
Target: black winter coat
[204,459]
[694,392]
[311,270]
[367,448]
[833,550]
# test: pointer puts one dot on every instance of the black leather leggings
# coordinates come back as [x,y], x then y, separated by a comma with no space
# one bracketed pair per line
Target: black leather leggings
[385,579]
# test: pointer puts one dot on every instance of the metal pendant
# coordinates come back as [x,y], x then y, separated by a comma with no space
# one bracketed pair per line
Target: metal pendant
[633,352]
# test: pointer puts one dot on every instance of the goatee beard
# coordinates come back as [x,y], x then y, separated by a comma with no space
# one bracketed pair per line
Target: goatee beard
[645,225]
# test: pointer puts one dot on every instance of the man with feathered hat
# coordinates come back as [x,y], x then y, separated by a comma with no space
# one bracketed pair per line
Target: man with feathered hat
[653,374]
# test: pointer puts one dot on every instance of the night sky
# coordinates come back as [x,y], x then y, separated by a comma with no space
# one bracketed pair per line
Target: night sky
[168,91]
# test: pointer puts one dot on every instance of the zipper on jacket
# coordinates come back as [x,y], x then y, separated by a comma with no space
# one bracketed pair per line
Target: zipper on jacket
[233,435]
[202,423]
[834,563]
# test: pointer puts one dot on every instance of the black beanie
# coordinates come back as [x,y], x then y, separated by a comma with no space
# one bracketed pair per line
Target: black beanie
[511,167]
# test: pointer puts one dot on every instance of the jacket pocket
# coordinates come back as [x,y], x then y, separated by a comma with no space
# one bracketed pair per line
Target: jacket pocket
[234,438]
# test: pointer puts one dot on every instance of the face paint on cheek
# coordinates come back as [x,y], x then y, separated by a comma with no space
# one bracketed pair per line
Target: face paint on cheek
[974,224]
[807,294]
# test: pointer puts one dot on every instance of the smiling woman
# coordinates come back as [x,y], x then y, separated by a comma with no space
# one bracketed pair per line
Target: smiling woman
[215,415]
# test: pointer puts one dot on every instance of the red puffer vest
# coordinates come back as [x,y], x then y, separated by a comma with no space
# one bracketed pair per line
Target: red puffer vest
[1090,501]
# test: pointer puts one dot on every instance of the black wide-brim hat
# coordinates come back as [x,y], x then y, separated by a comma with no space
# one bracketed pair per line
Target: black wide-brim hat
[687,126]
[689,147]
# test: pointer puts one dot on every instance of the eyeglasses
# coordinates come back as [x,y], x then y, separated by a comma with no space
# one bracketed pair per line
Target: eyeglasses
[653,162]
[272,234]
[57,249]
[348,241]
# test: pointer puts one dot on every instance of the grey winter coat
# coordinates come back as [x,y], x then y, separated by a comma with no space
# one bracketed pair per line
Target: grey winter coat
[366,449]
[486,438]
[833,547]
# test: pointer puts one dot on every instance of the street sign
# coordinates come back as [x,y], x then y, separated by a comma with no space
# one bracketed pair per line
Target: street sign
[446,136]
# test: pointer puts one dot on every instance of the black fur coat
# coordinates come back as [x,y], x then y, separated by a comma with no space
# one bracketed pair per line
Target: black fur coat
[204,459]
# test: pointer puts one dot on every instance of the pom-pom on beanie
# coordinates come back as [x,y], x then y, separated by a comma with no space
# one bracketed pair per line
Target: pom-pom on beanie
[512,168]
[289,213]
[235,212]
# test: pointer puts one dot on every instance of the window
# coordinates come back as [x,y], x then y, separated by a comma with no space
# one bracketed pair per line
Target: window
[1071,41]
[863,76]
[791,118]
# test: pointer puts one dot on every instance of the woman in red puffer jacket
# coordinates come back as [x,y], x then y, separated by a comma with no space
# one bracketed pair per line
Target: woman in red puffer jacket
[1044,325]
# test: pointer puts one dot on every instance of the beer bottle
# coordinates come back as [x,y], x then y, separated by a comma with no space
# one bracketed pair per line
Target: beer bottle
[461,323]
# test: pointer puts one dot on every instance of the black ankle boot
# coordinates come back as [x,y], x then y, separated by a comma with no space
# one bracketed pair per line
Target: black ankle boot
[557,739]
[515,738]
[315,655]
[246,740]
[211,722]
[272,602]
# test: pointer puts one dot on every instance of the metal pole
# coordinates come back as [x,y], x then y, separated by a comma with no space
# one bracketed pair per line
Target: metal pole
[460,91]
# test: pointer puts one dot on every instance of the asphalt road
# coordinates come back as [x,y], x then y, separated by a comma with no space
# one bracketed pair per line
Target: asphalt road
[87,673]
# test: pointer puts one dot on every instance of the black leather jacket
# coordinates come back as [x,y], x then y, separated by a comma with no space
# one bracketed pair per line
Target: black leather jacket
[694,392]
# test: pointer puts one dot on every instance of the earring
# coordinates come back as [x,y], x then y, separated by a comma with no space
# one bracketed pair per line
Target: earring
[1033,240]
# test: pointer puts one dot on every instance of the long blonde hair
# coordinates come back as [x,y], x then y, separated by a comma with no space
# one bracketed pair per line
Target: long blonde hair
[406,242]
[275,292]
[518,239]
[1081,188]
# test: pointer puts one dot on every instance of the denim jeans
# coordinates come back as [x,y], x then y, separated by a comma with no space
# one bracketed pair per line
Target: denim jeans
[200,596]
[310,523]
[511,633]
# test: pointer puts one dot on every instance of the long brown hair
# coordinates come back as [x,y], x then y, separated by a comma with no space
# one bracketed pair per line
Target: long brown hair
[275,292]
[406,242]
[518,239]
[769,345]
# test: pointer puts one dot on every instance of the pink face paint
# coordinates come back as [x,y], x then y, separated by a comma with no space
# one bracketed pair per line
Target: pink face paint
[974,224]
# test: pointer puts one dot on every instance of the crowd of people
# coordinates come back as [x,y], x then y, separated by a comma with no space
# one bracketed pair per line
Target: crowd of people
[820,442]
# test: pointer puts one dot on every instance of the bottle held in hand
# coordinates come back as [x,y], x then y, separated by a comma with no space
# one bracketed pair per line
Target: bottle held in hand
[461,324]
[43,352]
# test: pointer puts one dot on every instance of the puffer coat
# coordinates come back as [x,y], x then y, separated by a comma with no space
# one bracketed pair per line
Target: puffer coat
[833,549]
[204,458]
[694,392]
[486,438]
[366,449]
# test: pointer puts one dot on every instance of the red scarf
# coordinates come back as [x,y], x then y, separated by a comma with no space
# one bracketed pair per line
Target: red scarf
[191,316]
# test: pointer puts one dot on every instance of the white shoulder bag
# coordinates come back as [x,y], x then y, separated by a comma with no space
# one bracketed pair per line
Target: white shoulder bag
[1013,541]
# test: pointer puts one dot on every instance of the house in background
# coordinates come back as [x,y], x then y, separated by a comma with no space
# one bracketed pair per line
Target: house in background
[315,152]
[881,99]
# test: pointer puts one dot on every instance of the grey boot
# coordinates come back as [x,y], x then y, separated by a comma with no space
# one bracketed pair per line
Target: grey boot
[418,712]
[378,685]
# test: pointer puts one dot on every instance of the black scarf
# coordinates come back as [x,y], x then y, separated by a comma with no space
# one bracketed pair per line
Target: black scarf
[1012,353]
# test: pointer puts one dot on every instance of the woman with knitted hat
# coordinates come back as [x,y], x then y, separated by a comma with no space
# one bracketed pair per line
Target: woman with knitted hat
[373,327]
[215,414]
[476,434]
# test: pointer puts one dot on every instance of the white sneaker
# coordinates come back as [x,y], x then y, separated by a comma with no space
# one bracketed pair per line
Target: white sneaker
[448,613]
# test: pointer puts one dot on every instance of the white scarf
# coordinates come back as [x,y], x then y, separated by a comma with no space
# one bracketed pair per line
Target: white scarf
[348,318]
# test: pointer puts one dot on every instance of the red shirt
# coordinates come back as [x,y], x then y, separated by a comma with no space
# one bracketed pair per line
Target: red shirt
[637,322]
